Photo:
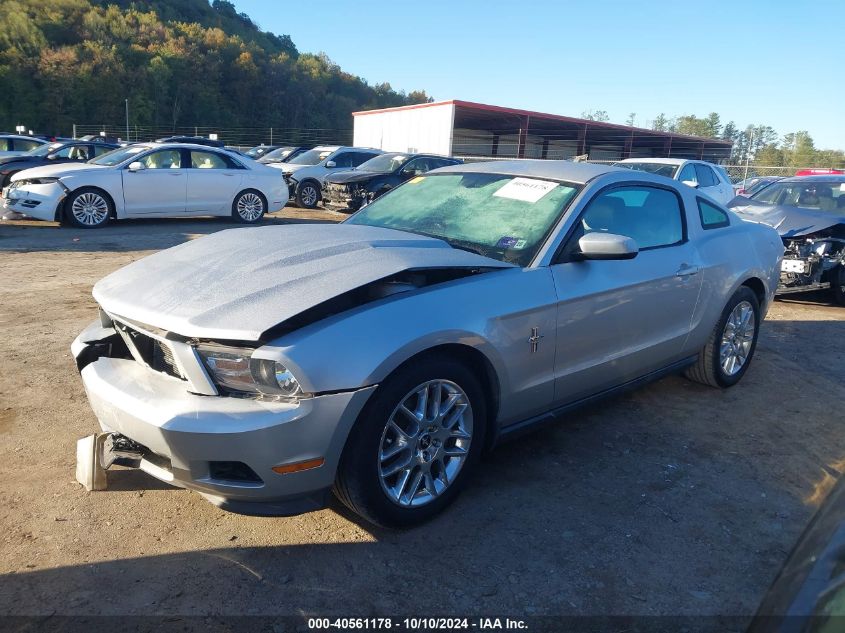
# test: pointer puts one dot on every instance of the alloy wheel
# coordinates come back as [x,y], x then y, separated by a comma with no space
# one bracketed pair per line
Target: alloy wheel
[737,338]
[309,195]
[90,208]
[250,206]
[425,443]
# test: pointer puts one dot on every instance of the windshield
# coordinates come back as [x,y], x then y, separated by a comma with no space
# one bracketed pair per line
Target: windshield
[311,157]
[43,150]
[119,155]
[383,164]
[759,185]
[258,150]
[498,216]
[278,154]
[661,169]
[815,195]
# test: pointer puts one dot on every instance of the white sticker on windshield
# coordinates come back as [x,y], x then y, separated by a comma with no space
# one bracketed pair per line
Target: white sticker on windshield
[525,189]
[842,187]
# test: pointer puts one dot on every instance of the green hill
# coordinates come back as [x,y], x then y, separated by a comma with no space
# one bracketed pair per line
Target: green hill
[179,62]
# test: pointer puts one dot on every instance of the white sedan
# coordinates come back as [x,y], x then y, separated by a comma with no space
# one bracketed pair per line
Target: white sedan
[698,174]
[145,181]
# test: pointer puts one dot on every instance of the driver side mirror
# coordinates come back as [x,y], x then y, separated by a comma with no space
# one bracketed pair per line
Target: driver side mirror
[690,183]
[606,246]
[136,166]
[51,157]
[331,164]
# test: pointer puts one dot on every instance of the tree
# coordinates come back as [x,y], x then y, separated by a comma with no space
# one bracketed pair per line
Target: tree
[595,115]
[631,118]
[713,125]
[660,123]
[799,149]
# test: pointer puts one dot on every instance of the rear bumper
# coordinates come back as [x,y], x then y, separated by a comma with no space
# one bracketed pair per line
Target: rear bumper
[189,435]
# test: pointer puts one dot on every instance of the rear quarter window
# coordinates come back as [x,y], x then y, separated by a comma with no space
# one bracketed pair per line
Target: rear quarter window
[712,217]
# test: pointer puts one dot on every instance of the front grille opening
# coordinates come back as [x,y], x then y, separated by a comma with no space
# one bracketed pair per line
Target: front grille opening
[156,354]
[234,472]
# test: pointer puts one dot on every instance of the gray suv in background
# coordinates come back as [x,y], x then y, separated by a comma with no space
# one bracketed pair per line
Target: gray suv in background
[306,174]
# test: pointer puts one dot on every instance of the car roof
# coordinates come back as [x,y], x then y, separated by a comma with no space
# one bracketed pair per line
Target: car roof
[23,137]
[660,161]
[549,169]
[831,178]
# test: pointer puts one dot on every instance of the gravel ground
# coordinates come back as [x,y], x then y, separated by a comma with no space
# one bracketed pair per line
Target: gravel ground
[676,499]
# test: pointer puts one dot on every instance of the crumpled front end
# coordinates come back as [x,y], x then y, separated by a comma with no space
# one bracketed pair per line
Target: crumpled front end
[246,453]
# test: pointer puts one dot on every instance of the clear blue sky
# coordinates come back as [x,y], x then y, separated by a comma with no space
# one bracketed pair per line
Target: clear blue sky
[773,62]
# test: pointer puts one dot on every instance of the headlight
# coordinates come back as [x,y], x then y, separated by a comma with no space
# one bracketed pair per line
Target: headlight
[234,369]
[37,181]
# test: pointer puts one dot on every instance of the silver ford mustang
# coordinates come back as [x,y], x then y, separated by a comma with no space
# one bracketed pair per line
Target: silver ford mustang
[378,358]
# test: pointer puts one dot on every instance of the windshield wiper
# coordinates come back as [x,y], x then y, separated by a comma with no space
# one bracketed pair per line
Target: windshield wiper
[465,246]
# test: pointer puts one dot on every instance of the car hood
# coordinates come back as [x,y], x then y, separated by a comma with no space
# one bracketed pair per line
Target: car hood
[56,171]
[353,175]
[288,168]
[5,160]
[240,283]
[788,221]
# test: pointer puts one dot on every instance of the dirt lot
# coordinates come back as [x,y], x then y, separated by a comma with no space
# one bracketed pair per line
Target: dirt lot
[676,499]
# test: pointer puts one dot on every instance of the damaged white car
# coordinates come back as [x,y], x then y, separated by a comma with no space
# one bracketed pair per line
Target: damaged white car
[378,358]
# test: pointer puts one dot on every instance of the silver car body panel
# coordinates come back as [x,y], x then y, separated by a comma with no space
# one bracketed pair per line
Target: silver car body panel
[548,334]
[262,277]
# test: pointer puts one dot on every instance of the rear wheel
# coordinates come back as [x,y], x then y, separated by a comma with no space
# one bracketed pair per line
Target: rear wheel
[414,445]
[837,284]
[725,358]
[308,195]
[249,207]
[88,208]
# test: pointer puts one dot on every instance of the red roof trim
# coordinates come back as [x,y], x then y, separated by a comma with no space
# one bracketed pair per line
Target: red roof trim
[543,115]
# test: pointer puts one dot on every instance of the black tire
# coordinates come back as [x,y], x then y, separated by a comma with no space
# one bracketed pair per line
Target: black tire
[5,180]
[249,206]
[359,483]
[837,284]
[308,195]
[708,369]
[97,218]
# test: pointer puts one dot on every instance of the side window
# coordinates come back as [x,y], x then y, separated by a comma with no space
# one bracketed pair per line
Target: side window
[417,166]
[207,160]
[344,159]
[64,152]
[712,217]
[688,173]
[23,145]
[706,177]
[99,150]
[359,158]
[5,145]
[79,152]
[164,159]
[651,216]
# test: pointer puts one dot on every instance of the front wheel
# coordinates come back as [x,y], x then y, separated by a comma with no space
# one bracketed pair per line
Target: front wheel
[249,207]
[414,445]
[88,208]
[307,195]
[725,358]
[837,284]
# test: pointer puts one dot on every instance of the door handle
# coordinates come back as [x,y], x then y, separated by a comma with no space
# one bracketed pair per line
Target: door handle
[175,173]
[686,270]
[230,175]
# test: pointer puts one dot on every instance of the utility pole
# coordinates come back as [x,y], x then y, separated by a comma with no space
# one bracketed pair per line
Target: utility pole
[127,119]
[748,154]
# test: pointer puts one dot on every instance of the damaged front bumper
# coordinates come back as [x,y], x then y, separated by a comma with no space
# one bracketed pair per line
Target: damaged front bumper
[225,448]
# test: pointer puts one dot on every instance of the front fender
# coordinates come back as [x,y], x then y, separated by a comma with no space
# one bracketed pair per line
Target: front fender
[110,181]
[492,312]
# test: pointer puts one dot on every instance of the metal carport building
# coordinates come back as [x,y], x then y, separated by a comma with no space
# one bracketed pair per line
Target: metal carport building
[463,128]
